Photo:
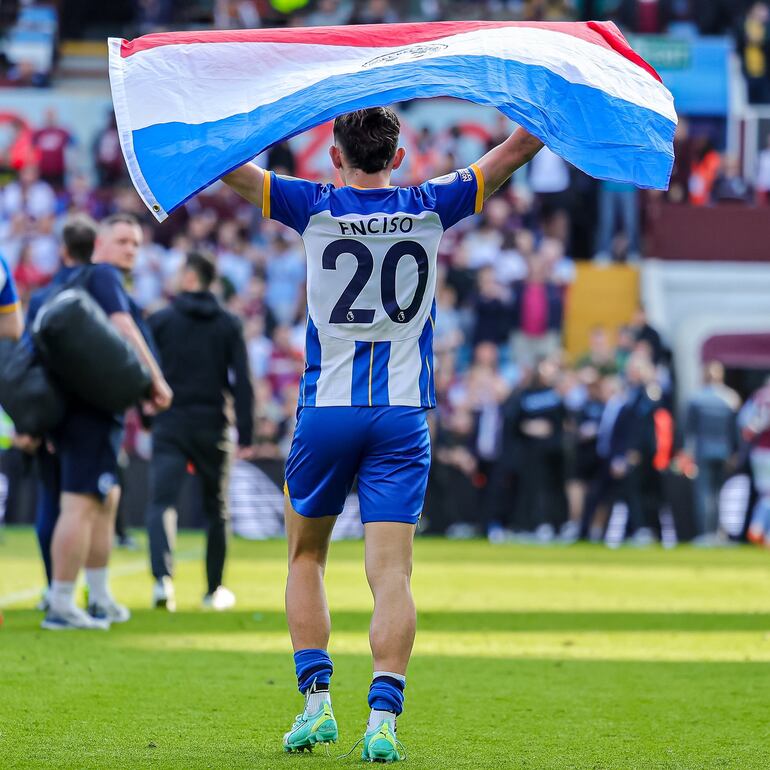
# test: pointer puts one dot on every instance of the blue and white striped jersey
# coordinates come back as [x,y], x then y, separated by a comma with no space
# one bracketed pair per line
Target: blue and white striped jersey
[371,281]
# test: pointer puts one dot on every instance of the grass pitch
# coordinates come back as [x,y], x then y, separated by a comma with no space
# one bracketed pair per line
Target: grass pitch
[525,658]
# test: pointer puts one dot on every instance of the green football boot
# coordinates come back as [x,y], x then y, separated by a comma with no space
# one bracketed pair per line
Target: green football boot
[310,729]
[381,744]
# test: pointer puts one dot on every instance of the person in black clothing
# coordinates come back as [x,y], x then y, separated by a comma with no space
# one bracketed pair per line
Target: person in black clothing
[535,418]
[203,353]
[582,458]
[626,446]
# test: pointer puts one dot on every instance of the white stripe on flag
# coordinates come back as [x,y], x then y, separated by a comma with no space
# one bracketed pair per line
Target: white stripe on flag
[199,83]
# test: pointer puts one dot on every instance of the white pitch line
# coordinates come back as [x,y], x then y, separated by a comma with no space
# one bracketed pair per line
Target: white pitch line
[121,570]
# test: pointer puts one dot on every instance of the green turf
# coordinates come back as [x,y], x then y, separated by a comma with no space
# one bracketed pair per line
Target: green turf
[526,657]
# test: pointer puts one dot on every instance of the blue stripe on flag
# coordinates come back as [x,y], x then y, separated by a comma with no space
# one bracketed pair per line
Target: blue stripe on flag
[359,391]
[427,382]
[380,374]
[605,136]
[309,385]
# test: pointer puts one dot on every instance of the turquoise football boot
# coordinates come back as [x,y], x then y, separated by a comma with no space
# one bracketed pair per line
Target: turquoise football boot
[311,729]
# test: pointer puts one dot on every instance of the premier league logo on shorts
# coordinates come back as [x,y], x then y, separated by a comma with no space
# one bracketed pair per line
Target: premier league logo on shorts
[105,483]
[351,316]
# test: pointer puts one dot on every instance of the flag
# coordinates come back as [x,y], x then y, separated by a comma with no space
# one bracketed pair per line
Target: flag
[192,106]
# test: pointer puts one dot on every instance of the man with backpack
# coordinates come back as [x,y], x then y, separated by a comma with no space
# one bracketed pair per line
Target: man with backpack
[87,443]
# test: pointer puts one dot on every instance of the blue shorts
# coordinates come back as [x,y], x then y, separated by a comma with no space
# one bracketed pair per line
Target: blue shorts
[87,444]
[388,447]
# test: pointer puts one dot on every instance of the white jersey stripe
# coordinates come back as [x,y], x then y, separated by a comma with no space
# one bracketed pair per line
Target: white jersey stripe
[335,382]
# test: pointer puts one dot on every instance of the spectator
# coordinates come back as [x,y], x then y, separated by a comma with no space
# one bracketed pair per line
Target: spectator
[491,310]
[703,172]
[330,13]
[549,181]
[258,345]
[600,354]
[583,429]
[626,448]
[27,276]
[375,12]
[29,195]
[678,188]
[754,48]
[646,16]
[454,494]
[51,142]
[618,199]
[755,424]
[285,278]
[538,314]
[711,440]
[108,158]
[730,186]
[763,173]
[448,334]
[644,332]
[485,243]
[286,362]
[535,416]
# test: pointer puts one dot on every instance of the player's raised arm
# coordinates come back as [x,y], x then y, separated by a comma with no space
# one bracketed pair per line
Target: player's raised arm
[500,162]
[248,181]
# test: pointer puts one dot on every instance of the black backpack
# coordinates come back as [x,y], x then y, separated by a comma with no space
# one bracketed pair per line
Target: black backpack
[27,394]
[85,353]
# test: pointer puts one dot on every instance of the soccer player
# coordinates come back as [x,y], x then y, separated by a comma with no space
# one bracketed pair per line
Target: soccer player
[371,275]
[11,319]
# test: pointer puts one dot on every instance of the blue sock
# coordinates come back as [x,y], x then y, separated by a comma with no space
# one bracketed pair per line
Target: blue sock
[386,692]
[312,666]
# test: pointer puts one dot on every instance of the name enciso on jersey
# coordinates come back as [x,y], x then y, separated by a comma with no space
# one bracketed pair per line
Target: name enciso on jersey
[377,226]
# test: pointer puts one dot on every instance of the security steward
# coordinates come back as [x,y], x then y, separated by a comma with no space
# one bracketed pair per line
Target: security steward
[203,357]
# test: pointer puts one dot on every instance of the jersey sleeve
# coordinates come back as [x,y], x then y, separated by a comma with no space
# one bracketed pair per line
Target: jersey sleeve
[456,195]
[9,299]
[290,201]
[105,287]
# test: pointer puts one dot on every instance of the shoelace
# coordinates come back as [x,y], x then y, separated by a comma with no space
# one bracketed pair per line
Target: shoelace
[399,745]
[352,749]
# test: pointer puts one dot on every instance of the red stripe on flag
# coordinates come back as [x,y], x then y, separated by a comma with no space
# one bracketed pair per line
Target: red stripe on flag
[604,34]
[615,40]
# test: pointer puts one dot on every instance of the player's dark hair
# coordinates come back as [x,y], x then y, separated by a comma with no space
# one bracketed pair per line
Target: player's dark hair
[79,236]
[369,137]
[203,266]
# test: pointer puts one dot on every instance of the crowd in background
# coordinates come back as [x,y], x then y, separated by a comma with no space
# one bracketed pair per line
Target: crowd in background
[706,17]
[525,439]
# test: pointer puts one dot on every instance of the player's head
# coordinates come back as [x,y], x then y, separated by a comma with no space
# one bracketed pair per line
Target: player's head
[118,241]
[78,238]
[198,273]
[367,140]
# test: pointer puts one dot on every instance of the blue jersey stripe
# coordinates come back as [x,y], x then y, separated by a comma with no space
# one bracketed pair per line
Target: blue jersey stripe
[362,364]
[379,386]
[309,384]
[427,387]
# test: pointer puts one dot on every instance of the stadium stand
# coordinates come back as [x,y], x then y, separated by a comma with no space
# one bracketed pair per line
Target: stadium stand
[553,269]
